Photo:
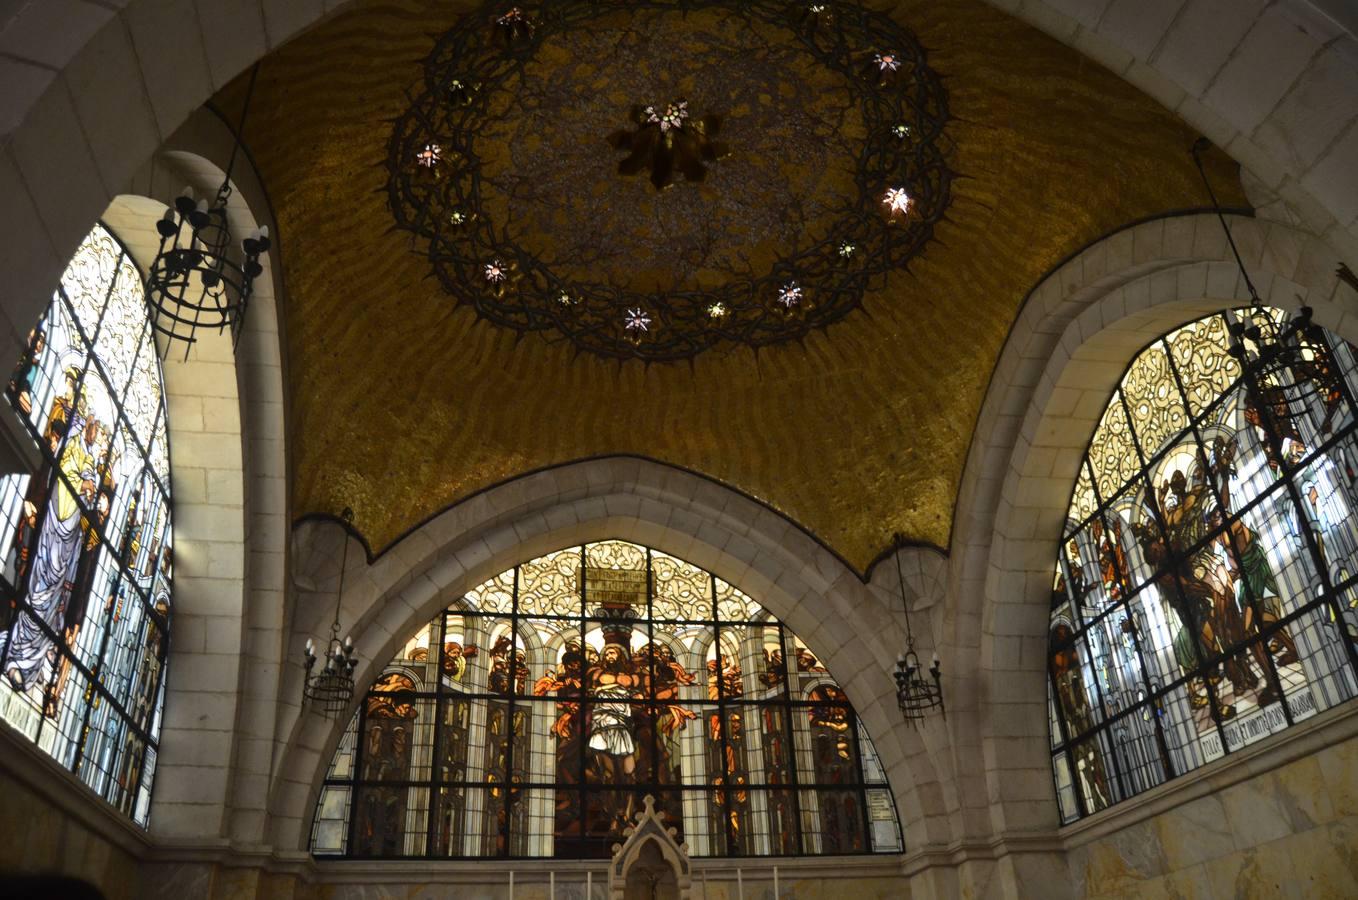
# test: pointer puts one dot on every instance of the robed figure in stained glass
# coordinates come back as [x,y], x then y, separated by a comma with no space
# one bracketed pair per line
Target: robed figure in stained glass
[60,541]
[79,658]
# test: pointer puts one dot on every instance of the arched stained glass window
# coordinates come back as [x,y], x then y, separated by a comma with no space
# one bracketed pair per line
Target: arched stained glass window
[86,539]
[532,717]
[1204,593]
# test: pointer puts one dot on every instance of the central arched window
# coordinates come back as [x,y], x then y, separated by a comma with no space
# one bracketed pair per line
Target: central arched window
[86,538]
[1204,595]
[532,717]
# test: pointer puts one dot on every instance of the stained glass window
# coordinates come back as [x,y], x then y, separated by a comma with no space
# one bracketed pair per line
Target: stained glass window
[533,715]
[1204,591]
[86,539]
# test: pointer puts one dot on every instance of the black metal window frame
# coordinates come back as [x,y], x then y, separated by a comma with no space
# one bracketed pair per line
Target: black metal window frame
[442,695]
[1110,714]
[95,676]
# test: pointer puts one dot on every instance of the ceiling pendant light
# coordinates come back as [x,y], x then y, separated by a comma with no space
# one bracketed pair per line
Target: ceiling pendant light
[915,696]
[329,691]
[1278,357]
[199,279]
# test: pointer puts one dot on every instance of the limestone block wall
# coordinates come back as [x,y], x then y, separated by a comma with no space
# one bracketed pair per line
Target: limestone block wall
[804,879]
[53,825]
[1289,830]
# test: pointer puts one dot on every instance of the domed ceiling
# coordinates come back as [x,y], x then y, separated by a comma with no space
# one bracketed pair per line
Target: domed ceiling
[475,211]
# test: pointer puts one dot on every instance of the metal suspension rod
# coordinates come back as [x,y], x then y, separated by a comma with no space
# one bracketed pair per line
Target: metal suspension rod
[1200,145]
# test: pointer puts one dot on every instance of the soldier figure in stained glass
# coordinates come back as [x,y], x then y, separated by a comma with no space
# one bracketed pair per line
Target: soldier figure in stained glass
[20,389]
[671,717]
[1068,677]
[807,662]
[775,669]
[563,682]
[830,727]
[1112,558]
[1203,577]
[455,659]
[391,713]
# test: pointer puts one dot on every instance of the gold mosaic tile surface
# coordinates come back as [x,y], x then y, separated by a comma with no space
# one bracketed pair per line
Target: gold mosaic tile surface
[402,403]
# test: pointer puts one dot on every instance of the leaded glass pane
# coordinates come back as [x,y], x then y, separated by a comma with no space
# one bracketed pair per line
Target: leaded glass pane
[532,717]
[1112,457]
[86,569]
[88,277]
[1200,603]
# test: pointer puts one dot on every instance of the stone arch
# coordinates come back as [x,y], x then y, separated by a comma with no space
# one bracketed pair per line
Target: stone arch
[226,440]
[679,513]
[207,468]
[1073,339]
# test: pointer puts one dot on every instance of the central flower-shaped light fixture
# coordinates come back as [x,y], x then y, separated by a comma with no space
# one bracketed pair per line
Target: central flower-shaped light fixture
[897,201]
[666,140]
[673,115]
[429,156]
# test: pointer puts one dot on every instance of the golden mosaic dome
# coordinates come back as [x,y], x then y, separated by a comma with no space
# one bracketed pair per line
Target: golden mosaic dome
[405,398]
[810,162]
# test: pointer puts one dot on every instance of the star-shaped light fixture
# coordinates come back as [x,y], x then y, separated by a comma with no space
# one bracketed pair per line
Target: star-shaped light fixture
[636,321]
[897,201]
[886,62]
[429,156]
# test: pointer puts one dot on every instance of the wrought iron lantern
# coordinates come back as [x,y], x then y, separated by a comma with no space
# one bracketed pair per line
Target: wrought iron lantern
[915,695]
[330,690]
[1277,357]
[199,279]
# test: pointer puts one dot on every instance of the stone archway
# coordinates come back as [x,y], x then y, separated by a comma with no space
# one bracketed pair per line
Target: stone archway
[227,454]
[1073,340]
[713,527]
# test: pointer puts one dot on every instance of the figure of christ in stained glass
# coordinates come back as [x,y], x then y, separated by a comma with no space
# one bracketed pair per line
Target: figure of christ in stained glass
[613,683]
